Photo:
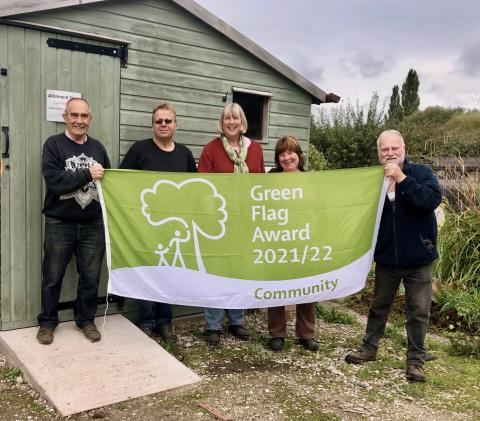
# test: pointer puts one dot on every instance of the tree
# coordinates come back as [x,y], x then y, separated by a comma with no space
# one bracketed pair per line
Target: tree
[410,98]
[169,204]
[395,109]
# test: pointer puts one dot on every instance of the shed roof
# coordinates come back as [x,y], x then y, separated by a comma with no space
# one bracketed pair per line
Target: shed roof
[12,8]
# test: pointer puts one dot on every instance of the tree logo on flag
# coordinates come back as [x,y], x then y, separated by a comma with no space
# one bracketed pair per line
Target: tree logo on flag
[168,202]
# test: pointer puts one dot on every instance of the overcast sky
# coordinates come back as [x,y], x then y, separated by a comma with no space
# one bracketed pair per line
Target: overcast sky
[355,47]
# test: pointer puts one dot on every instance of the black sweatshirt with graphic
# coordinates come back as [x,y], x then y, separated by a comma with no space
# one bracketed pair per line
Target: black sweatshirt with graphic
[71,193]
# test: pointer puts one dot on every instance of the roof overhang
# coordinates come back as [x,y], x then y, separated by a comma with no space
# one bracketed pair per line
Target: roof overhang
[12,8]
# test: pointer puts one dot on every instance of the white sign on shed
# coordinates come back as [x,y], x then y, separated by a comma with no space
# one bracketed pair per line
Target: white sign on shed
[56,101]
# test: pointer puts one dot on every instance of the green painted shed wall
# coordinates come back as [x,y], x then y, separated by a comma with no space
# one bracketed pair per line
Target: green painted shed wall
[175,57]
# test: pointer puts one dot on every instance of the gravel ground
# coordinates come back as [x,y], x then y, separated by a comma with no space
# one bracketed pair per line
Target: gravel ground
[245,381]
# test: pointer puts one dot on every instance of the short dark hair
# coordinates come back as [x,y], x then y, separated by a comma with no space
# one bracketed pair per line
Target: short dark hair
[164,106]
[289,143]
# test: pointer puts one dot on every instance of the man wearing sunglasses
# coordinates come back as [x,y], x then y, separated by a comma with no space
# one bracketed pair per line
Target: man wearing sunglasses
[160,153]
[72,162]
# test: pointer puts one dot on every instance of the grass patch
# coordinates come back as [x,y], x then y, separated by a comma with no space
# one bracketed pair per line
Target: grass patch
[332,315]
[13,373]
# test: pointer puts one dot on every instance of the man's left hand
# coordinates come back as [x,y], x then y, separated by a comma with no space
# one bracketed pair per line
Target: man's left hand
[96,170]
[394,172]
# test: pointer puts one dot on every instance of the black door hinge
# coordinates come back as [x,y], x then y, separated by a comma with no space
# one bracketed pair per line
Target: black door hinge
[121,51]
[3,72]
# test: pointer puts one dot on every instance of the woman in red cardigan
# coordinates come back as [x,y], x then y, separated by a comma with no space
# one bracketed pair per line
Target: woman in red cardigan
[230,152]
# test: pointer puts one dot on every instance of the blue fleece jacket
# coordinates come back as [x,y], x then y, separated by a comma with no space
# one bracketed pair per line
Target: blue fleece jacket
[408,229]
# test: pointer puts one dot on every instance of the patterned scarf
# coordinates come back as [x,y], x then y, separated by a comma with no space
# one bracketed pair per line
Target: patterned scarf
[238,159]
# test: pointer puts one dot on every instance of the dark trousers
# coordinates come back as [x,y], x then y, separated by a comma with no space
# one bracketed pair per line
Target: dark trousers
[418,298]
[62,240]
[154,314]
[305,323]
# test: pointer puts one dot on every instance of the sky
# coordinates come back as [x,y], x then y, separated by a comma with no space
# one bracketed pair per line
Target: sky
[356,47]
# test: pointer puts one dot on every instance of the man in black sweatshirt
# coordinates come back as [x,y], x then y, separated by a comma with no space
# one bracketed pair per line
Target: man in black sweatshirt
[159,153]
[71,164]
[405,250]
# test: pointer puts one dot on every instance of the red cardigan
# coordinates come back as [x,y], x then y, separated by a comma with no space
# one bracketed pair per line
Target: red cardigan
[215,159]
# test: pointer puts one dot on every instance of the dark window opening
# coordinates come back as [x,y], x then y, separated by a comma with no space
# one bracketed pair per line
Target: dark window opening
[256,110]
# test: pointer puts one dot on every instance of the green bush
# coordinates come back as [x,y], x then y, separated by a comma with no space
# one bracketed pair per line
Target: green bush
[458,270]
[316,160]
[460,308]
[346,136]
[459,249]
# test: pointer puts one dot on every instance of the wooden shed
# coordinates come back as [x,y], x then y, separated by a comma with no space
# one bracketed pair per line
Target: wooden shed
[125,57]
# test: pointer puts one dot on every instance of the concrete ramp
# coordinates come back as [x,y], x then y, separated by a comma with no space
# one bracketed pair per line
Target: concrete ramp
[76,375]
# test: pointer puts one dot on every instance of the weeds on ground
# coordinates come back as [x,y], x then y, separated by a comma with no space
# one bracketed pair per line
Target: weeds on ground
[463,344]
[332,315]
[13,373]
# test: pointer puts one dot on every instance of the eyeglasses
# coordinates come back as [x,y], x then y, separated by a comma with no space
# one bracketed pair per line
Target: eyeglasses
[160,121]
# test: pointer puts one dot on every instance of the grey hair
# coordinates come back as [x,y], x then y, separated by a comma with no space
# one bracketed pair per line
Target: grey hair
[391,132]
[77,99]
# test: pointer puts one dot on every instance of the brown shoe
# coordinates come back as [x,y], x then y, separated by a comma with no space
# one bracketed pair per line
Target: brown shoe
[415,373]
[45,335]
[91,332]
[361,356]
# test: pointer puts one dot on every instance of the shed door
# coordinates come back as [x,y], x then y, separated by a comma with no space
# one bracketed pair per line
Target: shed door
[32,67]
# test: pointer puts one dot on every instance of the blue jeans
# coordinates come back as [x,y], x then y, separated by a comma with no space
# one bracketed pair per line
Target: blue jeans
[418,298]
[154,314]
[63,239]
[214,318]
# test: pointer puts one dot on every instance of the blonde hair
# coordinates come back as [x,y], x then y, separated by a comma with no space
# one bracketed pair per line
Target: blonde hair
[236,110]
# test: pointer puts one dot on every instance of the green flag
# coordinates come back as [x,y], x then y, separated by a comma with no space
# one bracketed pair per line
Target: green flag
[240,241]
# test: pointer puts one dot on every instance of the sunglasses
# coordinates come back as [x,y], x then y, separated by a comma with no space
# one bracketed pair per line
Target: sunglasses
[163,120]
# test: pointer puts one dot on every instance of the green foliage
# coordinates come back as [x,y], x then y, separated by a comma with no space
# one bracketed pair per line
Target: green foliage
[13,373]
[463,344]
[347,136]
[316,160]
[395,109]
[439,131]
[460,308]
[332,315]
[459,249]
[410,98]
[458,267]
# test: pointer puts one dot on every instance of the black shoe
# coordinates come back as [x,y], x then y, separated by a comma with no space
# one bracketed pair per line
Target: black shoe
[212,337]
[415,373]
[430,357]
[165,331]
[309,344]
[276,344]
[239,332]
[361,356]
